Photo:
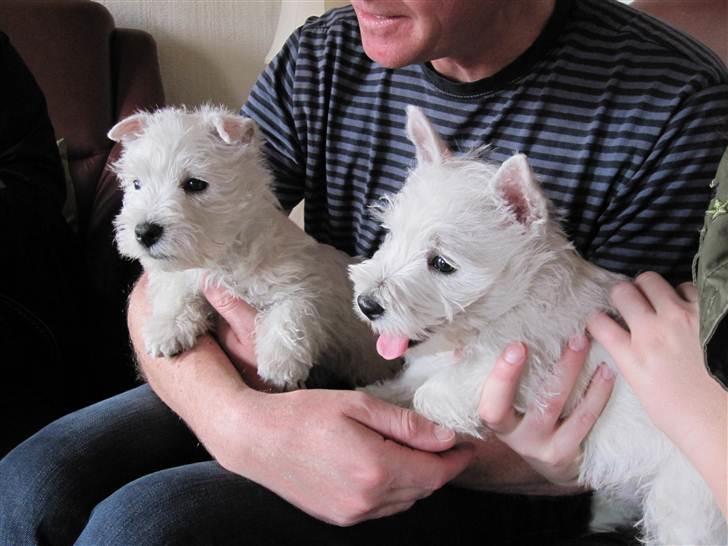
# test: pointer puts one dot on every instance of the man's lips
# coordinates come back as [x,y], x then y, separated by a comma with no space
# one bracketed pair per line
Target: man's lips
[376,20]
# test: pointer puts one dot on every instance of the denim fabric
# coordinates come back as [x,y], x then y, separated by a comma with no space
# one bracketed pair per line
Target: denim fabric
[50,483]
[127,472]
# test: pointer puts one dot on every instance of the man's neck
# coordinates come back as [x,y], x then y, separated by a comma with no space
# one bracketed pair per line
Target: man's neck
[507,36]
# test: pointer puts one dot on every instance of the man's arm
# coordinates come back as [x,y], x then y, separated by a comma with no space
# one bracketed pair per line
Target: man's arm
[200,385]
[496,467]
[340,456]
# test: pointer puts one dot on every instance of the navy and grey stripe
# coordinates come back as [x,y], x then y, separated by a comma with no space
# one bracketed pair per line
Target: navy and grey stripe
[624,121]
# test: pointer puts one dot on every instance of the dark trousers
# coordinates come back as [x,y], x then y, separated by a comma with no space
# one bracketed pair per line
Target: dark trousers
[127,471]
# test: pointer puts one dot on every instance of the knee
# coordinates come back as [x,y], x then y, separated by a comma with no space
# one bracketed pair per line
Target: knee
[39,498]
[137,513]
[195,505]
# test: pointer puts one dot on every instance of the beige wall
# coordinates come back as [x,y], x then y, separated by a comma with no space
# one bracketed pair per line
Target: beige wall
[212,50]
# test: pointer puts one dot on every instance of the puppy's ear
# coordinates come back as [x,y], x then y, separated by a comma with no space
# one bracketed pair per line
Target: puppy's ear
[378,209]
[517,185]
[235,129]
[430,148]
[128,128]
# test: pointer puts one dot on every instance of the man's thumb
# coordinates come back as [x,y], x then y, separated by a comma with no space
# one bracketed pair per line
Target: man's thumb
[404,426]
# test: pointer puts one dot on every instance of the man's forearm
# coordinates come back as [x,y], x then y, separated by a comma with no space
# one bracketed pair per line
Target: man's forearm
[201,385]
[206,390]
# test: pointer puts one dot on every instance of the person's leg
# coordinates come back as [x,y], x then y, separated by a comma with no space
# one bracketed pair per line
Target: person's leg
[198,504]
[119,473]
[454,515]
[50,483]
[458,516]
[203,505]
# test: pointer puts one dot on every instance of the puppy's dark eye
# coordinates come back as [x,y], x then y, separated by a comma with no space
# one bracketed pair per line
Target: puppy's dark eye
[137,184]
[194,185]
[438,263]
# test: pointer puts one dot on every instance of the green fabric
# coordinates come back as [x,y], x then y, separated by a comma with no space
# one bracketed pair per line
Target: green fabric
[711,277]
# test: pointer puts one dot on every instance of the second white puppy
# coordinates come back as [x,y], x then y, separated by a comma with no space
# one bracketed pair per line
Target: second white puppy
[474,260]
[198,204]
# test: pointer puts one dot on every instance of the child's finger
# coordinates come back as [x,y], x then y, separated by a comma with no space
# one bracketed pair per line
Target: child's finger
[499,390]
[579,423]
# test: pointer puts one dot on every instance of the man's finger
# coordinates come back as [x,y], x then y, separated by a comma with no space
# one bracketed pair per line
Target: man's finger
[499,390]
[236,312]
[388,510]
[241,355]
[430,471]
[451,464]
[402,425]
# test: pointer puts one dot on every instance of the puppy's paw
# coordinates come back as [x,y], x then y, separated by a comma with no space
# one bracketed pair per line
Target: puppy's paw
[162,339]
[285,375]
[164,348]
[441,403]
[389,391]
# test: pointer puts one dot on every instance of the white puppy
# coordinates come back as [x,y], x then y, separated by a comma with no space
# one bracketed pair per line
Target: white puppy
[198,204]
[473,260]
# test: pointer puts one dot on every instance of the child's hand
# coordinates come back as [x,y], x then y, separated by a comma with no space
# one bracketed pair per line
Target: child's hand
[550,444]
[659,354]
[661,359]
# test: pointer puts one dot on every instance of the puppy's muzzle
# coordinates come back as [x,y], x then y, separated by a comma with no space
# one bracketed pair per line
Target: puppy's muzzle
[148,233]
[369,306]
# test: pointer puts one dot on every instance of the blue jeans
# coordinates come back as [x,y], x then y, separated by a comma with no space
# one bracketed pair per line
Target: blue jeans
[127,471]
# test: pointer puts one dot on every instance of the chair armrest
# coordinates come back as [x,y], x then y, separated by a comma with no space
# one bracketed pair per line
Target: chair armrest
[137,79]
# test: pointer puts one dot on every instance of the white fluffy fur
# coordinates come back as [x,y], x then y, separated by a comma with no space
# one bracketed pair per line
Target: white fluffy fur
[517,278]
[234,235]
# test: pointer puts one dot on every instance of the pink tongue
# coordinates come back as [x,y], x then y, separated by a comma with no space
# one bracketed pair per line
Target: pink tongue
[391,347]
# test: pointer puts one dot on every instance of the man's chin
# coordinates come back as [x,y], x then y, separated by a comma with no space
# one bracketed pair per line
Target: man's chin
[387,55]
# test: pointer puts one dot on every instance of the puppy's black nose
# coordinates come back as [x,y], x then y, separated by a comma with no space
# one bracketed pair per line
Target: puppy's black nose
[148,233]
[369,306]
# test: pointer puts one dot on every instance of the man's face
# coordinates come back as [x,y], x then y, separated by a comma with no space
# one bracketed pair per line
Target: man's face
[396,33]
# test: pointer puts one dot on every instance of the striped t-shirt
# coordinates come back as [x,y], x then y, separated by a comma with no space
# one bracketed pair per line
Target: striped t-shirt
[623,120]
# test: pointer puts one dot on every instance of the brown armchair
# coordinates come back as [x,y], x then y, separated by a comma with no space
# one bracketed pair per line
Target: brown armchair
[92,74]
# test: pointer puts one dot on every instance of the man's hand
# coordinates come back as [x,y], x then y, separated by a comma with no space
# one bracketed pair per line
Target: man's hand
[341,456]
[235,332]
[549,444]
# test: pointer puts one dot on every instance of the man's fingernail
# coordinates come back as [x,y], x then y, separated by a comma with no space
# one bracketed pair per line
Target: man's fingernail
[577,343]
[514,353]
[606,371]
[443,434]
